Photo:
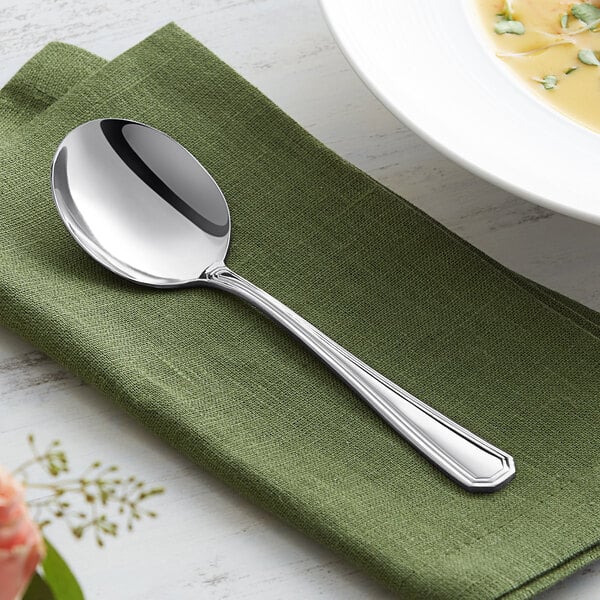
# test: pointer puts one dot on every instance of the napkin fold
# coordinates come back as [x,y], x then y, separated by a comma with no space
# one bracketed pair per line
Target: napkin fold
[510,360]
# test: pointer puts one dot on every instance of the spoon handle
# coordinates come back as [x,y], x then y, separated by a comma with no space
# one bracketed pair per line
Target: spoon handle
[469,460]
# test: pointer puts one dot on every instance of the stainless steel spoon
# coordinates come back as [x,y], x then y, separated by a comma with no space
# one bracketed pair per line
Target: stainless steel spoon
[145,208]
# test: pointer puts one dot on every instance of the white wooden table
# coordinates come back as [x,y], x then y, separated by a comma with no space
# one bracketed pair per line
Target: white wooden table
[207,542]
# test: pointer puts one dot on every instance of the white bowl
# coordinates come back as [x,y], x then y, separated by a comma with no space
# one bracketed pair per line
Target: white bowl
[430,63]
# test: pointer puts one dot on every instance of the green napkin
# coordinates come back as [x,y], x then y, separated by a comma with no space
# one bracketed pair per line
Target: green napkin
[512,361]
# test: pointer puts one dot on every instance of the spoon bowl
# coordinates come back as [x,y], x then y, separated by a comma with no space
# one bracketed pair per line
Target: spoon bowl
[140,204]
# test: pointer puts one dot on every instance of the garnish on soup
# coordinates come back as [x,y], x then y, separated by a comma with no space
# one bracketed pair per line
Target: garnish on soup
[554,46]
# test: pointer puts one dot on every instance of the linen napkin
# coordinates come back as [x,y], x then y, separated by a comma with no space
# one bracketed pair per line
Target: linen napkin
[512,361]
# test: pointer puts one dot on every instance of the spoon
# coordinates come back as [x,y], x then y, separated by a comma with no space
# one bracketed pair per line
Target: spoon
[141,205]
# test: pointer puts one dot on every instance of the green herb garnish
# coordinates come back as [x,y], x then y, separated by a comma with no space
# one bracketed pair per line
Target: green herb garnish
[587,13]
[570,70]
[515,27]
[588,57]
[549,82]
[507,23]
[564,21]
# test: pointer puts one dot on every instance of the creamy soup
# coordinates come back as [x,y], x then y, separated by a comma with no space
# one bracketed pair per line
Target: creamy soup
[554,46]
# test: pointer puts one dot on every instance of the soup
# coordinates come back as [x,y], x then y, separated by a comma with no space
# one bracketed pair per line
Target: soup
[554,47]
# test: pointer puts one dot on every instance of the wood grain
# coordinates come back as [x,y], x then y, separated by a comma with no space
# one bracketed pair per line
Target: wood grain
[207,542]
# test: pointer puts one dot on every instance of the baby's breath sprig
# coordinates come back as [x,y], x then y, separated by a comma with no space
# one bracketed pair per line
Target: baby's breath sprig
[106,499]
[53,460]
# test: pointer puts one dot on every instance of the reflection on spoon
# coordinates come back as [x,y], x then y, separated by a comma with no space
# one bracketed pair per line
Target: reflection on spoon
[145,208]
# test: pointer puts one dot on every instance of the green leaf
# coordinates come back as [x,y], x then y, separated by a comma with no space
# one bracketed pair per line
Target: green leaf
[507,22]
[38,589]
[587,13]
[549,82]
[570,70]
[59,577]
[564,21]
[515,27]
[588,57]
